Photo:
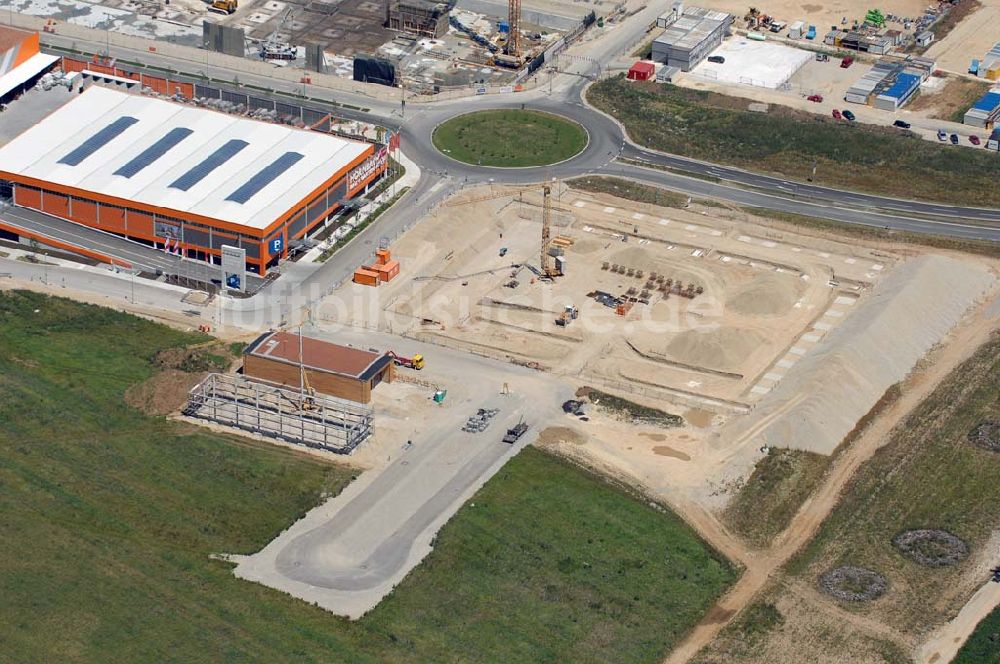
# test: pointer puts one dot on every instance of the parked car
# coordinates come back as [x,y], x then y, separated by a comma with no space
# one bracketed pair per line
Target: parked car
[836,114]
[954,139]
[974,139]
[846,62]
[822,57]
[816,98]
[717,59]
[942,135]
[902,124]
[848,115]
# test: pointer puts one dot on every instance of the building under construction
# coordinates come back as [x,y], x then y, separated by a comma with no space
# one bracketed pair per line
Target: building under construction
[418,17]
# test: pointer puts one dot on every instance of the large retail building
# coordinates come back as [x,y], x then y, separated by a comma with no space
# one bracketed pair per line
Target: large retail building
[184,178]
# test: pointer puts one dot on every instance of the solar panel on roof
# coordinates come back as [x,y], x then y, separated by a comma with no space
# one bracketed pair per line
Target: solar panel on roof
[154,151]
[211,162]
[98,141]
[264,176]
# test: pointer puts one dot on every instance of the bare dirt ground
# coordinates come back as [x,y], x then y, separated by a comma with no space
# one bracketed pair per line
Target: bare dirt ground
[820,14]
[955,94]
[971,38]
[760,293]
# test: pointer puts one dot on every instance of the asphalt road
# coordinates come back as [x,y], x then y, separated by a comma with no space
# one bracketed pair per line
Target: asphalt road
[348,553]
[563,95]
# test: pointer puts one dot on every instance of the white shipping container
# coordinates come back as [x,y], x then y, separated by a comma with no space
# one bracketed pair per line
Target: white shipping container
[797,31]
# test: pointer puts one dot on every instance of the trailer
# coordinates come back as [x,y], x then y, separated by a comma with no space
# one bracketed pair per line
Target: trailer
[515,432]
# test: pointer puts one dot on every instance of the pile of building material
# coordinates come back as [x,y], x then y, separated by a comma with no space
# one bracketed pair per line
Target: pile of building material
[384,269]
[478,422]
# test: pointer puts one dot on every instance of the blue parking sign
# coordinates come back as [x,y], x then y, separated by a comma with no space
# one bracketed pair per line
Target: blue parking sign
[276,245]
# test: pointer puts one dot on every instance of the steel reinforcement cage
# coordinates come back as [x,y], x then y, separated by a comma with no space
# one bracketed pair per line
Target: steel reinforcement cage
[315,420]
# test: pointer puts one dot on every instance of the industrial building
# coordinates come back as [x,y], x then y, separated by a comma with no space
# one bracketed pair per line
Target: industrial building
[21,62]
[860,41]
[690,35]
[891,82]
[641,71]
[425,18]
[900,92]
[183,178]
[985,111]
[302,362]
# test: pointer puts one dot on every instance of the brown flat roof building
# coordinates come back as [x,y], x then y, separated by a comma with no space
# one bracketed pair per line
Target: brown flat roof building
[340,371]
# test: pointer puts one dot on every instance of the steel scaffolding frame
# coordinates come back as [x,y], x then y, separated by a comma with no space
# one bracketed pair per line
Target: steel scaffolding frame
[314,420]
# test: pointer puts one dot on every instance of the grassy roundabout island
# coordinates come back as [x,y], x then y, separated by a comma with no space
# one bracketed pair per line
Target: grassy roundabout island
[510,137]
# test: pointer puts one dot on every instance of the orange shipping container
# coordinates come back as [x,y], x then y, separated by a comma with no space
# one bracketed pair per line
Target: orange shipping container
[365,277]
[388,271]
[382,256]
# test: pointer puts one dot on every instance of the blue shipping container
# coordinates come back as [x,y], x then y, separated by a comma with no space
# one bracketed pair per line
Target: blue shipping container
[504,27]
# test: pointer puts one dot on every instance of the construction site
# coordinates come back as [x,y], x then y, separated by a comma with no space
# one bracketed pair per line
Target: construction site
[702,309]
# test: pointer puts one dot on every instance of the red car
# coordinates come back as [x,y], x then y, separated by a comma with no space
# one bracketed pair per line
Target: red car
[846,62]
[974,139]
[816,98]
[836,114]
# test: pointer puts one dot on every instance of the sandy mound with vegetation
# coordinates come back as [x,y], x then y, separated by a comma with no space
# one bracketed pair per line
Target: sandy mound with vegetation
[721,348]
[769,294]
[164,393]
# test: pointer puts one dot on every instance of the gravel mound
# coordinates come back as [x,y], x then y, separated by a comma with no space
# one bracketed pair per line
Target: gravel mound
[853,584]
[931,547]
[987,435]
[912,308]
[770,294]
[722,348]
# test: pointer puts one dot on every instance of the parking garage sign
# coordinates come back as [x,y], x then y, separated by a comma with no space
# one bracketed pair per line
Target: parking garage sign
[234,268]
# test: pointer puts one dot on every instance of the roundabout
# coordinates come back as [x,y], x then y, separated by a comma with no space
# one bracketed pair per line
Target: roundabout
[510,138]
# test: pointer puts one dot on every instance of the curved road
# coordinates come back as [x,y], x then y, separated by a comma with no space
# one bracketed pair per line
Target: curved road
[608,142]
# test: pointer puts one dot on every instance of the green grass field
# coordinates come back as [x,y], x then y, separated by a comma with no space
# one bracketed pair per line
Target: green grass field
[110,517]
[983,646]
[718,128]
[510,138]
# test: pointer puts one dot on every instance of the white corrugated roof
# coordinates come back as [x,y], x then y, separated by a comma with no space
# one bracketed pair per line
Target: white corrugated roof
[30,67]
[37,153]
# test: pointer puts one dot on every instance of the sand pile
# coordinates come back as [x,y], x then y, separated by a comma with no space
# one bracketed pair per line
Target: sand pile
[720,348]
[840,380]
[770,294]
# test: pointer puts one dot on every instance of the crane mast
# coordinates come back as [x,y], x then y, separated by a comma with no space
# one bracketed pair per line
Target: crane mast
[513,47]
